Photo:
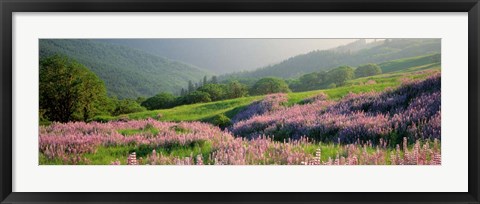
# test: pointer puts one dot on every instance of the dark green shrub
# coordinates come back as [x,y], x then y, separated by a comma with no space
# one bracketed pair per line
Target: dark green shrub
[101,118]
[340,75]
[221,121]
[160,101]
[367,70]
[197,97]
[270,85]
[216,91]
[332,85]
[126,106]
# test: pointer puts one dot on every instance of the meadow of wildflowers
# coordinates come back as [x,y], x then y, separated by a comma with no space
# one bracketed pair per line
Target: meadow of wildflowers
[396,127]
[270,103]
[412,111]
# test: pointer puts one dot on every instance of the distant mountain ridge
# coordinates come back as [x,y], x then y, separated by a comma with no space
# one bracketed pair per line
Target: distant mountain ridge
[127,72]
[319,60]
[356,46]
[221,55]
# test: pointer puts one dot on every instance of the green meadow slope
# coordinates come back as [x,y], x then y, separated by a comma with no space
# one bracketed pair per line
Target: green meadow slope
[405,63]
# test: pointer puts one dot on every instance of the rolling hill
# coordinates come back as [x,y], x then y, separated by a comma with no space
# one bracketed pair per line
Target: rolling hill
[404,63]
[127,72]
[227,55]
[314,61]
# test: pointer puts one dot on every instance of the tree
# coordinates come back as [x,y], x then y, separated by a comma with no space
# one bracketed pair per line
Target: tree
[236,89]
[197,97]
[220,120]
[93,98]
[126,106]
[214,80]
[69,91]
[216,91]
[295,85]
[309,81]
[140,99]
[205,80]
[160,101]
[340,75]
[321,77]
[367,70]
[182,92]
[269,85]
[191,87]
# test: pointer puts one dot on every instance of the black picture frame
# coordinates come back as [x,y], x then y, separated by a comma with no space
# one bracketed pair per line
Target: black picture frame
[7,8]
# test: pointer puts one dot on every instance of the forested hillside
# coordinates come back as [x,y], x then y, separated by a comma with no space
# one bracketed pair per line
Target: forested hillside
[127,72]
[324,60]
[357,45]
[222,55]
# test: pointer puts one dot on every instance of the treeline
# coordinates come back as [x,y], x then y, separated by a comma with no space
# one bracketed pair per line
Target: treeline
[332,78]
[212,90]
[206,91]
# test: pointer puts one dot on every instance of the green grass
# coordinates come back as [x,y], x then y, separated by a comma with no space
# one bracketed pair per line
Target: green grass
[200,112]
[433,66]
[297,97]
[203,148]
[400,64]
[42,160]
[107,154]
[128,132]
[180,130]
[340,92]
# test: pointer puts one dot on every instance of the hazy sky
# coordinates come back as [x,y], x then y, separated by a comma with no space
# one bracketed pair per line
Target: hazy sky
[227,55]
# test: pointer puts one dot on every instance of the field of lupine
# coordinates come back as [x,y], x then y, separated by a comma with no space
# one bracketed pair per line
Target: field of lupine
[398,126]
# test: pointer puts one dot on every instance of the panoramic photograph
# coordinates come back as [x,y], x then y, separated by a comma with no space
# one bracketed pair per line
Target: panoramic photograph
[228,101]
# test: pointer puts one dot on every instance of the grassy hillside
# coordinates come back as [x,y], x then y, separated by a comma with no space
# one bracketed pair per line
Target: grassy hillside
[328,59]
[127,72]
[205,111]
[400,64]
[200,111]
